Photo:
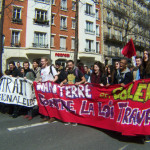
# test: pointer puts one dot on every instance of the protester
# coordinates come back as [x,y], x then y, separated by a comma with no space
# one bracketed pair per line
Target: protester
[30,75]
[36,69]
[109,75]
[18,66]
[91,69]
[48,73]
[138,70]
[146,64]
[98,75]
[115,70]
[123,76]
[74,75]
[61,72]
[87,73]
[81,67]
[13,72]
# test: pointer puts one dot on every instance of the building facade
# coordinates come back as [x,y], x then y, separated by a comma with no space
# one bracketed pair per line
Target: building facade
[26,30]
[123,20]
[63,31]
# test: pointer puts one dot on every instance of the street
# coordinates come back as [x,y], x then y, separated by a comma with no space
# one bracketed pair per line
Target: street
[21,134]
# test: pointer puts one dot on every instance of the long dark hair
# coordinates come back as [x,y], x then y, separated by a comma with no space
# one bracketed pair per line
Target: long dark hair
[101,67]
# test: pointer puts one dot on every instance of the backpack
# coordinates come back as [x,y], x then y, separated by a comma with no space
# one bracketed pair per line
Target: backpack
[51,71]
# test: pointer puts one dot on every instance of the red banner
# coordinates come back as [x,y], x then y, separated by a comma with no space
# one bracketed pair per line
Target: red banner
[123,109]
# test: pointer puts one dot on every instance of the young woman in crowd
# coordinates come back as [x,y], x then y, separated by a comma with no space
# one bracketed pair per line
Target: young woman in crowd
[98,75]
[87,73]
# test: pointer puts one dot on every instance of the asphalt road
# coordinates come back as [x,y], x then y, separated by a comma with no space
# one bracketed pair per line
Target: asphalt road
[21,134]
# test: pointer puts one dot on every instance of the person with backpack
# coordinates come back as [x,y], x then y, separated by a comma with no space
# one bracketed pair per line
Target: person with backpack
[48,73]
[73,75]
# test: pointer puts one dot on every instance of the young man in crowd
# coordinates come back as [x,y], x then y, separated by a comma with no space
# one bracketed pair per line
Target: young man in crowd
[138,71]
[48,73]
[74,75]
[36,69]
[123,76]
[13,72]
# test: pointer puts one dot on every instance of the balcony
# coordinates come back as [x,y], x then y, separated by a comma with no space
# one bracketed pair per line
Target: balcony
[44,1]
[63,48]
[40,45]
[63,8]
[16,20]
[89,50]
[89,31]
[63,27]
[139,45]
[17,44]
[119,12]
[109,20]
[89,13]
[109,53]
[113,39]
[41,21]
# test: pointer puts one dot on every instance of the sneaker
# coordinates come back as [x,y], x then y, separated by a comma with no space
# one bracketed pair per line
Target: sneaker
[44,119]
[26,116]
[74,124]
[30,118]
[67,123]
[51,120]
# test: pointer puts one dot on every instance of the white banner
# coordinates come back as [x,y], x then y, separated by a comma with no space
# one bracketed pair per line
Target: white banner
[17,91]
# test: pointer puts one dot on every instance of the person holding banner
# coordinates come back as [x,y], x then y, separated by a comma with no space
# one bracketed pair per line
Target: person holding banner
[98,75]
[48,73]
[138,70]
[36,69]
[74,75]
[123,76]
[13,72]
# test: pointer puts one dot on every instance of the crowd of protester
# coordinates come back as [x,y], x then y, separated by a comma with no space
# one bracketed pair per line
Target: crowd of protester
[105,75]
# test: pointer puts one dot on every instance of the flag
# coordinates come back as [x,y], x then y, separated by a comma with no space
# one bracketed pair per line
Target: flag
[129,49]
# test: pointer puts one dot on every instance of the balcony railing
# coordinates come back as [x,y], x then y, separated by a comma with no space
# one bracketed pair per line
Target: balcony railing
[63,8]
[40,45]
[17,44]
[16,20]
[89,13]
[63,27]
[89,50]
[63,48]
[109,20]
[109,53]
[41,21]
[89,31]
[44,1]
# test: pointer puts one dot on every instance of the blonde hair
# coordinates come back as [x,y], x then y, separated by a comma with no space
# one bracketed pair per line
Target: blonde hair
[46,59]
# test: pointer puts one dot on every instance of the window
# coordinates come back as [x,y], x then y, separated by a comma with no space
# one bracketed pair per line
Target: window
[63,43]
[97,47]
[97,30]
[40,40]
[17,15]
[15,40]
[45,1]
[120,38]
[109,50]
[63,4]
[73,23]
[73,5]
[89,9]
[41,17]
[63,23]
[52,19]
[89,26]
[72,43]
[89,46]
[53,2]
[52,40]
[109,32]
[97,14]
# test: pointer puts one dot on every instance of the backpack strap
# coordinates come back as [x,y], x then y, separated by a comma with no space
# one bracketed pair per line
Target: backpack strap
[51,71]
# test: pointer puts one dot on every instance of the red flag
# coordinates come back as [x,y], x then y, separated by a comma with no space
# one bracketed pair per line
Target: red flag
[129,49]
